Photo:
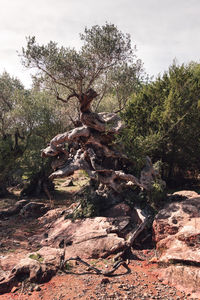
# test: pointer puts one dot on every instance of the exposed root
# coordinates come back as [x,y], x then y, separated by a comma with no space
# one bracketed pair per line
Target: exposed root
[97,270]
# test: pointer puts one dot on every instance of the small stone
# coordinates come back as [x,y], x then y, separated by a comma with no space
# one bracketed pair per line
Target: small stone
[105,281]
[37,288]
[14,289]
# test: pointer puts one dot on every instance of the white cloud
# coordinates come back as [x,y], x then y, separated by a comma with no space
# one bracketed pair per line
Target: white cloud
[162,30]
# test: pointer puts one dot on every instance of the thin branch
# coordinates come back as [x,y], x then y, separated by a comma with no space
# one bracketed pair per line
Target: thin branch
[84,263]
[54,79]
[97,73]
[102,96]
[68,98]
[99,271]
[71,119]
[120,109]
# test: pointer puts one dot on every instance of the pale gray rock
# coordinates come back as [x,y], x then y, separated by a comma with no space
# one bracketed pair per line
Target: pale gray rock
[34,209]
[177,236]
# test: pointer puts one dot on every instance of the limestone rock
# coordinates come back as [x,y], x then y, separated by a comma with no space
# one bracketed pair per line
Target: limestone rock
[50,255]
[62,239]
[34,209]
[170,220]
[38,267]
[15,209]
[187,194]
[88,238]
[8,262]
[27,268]
[177,235]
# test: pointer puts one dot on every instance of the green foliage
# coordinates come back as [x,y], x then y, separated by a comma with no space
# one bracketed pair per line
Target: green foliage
[12,143]
[28,120]
[90,205]
[106,62]
[36,256]
[68,266]
[157,195]
[163,121]
[42,111]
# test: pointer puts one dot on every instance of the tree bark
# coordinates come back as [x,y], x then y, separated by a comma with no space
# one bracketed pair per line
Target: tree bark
[91,148]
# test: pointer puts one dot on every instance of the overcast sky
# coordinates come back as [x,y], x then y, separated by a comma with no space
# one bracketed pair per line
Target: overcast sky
[161,29]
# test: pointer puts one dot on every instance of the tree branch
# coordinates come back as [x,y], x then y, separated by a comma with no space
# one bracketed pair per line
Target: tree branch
[96,270]
[53,78]
[68,98]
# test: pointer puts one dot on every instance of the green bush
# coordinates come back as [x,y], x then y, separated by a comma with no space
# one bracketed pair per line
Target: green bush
[162,121]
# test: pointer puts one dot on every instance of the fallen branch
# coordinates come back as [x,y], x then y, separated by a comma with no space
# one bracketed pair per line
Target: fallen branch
[96,270]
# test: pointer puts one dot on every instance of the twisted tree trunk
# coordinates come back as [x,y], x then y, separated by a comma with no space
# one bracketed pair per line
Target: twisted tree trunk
[91,148]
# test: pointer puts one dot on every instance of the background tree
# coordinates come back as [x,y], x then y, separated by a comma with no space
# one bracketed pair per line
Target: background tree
[41,113]
[163,122]
[12,142]
[28,119]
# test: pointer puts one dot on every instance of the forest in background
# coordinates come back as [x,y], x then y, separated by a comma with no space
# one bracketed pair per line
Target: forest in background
[161,118]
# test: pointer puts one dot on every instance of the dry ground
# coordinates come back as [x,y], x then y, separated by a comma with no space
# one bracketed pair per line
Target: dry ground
[78,282]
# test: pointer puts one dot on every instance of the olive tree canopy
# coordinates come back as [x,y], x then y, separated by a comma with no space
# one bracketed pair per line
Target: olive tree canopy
[106,62]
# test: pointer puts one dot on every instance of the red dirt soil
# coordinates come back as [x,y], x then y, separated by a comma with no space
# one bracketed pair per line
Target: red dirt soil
[141,283]
[80,283]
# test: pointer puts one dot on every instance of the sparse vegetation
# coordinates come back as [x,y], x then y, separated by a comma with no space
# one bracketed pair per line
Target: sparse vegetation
[36,256]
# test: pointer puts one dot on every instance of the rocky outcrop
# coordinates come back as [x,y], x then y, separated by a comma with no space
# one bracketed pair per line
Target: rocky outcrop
[88,238]
[26,209]
[177,236]
[37,267]
[34,210]
[62,238]
[15,209]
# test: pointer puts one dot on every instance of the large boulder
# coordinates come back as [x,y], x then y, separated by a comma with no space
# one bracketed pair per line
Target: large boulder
[37,267]
[33,210]
[15,209]
[177,236]
[90,237]
[87,238]
[25,209]
[7,262]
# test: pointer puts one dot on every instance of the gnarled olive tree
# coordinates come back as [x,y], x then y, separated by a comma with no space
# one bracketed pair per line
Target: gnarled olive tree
[106,63]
